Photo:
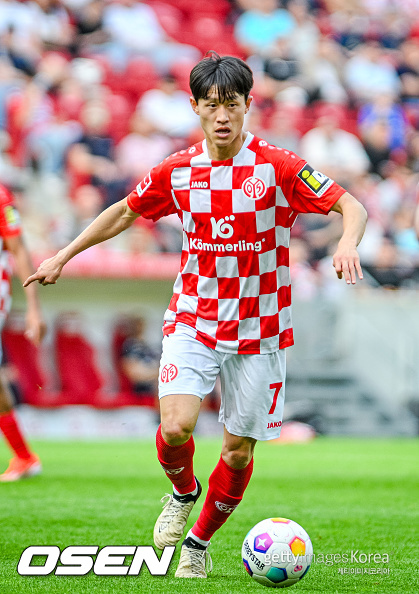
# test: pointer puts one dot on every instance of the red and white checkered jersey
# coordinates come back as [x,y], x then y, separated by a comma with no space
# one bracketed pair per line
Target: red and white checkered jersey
[233,290]
[9,227]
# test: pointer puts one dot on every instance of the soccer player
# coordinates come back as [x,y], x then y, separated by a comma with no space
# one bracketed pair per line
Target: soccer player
[24,462]
[237,197]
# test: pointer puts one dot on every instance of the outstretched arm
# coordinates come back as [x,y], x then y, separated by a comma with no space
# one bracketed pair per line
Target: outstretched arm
[109,223]
[346,257]
[35,325]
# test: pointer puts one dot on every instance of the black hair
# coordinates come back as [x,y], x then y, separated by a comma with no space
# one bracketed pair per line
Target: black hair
[230,76]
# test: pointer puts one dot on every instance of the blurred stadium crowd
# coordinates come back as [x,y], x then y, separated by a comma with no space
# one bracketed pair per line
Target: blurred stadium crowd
[93,93]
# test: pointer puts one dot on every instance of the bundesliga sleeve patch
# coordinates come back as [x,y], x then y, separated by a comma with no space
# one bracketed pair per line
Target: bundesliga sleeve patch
[12,216]
[316,181]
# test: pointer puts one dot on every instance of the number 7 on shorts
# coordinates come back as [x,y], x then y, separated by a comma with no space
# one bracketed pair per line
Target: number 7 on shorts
[277,387]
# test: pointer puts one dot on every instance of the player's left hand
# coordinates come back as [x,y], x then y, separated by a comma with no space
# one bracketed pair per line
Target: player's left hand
[347,264]
[35,327]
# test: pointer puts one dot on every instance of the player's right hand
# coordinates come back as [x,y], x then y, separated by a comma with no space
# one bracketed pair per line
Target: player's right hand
[48,272]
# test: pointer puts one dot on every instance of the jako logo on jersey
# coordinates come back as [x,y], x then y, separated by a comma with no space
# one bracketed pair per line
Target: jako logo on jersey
[168,373]
[222,229]
[144,184]
[199,184]
[274,425]
[173,470]
[223,507]
[254,188]
[78,560]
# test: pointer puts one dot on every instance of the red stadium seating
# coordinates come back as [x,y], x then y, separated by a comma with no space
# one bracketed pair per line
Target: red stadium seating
[80,381]
[208,32]
[171,19]
[25,357]
[32,379]
[139,76]
[347,118]
[216,8]
[78,374]
[121,111]
[181,71]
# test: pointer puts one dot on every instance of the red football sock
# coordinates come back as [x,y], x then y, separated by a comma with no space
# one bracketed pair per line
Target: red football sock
[226,488]
[11,431]
[177,462]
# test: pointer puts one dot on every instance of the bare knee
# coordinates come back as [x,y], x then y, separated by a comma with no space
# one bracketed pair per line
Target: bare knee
[175,432]
[237,451]
[237,458]
[4,409]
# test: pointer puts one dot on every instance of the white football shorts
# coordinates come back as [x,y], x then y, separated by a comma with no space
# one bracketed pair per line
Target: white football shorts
[252,386]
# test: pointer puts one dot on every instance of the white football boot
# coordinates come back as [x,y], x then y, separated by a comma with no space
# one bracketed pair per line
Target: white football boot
[194,561]
[171,523]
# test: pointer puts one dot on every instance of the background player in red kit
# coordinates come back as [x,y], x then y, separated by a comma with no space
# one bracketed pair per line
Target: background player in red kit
[24,463]
[237,197]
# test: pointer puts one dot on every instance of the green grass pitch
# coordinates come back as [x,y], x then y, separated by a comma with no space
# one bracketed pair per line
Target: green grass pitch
[350,495]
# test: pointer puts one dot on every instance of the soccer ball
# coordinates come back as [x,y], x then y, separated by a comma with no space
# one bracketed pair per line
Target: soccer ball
[277,552]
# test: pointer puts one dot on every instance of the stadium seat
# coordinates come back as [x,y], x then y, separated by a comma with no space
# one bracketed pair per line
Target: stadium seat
[110,77]
[79,377]
[219,9]
[209,33]
[139,76]
[25,357]
[80,382]
[347,117]
[121,111]
[170,18]
[32,379]
[181,71]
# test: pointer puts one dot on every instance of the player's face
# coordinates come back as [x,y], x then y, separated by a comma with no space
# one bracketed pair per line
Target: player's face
[222,123]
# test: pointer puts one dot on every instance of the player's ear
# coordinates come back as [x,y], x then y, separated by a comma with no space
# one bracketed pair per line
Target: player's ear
[248,102]
[194,104]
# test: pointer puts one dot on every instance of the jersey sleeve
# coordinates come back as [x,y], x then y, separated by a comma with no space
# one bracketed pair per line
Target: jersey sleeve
[307,190]
[10,225]
[152,197]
